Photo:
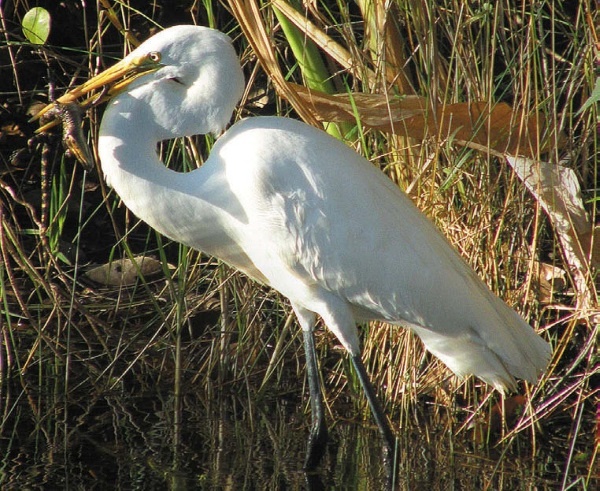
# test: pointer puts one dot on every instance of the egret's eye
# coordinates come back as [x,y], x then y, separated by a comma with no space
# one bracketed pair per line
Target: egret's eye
[177,80]
[154,56]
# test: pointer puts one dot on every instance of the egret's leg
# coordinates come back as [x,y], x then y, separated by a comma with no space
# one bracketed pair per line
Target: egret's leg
[378,414]
[317,439]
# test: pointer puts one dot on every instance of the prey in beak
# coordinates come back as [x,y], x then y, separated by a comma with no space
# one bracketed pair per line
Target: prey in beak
[73,139]
[68,110]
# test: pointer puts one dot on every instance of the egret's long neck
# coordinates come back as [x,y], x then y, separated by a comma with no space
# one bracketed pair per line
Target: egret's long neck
[189,208]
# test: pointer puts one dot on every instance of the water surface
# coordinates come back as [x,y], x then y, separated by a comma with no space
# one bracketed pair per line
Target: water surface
[120,440]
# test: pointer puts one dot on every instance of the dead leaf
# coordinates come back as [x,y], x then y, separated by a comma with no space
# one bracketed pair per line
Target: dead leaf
[557,190]
[479,124]
[591,244]
[507,410]
[377,111]
[548,279]
[124,272]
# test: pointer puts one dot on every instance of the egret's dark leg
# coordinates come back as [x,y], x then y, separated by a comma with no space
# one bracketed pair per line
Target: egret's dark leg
[317,439]
[378,414]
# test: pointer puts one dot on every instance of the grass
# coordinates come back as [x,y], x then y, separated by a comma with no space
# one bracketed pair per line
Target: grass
[202,323]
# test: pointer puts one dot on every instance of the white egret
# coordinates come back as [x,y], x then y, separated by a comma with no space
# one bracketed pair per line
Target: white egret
[299,211]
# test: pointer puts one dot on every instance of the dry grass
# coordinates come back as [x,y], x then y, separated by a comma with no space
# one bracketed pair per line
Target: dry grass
[542,61]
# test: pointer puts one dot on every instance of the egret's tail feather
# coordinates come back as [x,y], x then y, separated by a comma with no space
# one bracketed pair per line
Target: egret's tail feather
[515,351]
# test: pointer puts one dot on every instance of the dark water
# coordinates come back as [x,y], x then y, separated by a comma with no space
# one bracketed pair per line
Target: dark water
[228,441]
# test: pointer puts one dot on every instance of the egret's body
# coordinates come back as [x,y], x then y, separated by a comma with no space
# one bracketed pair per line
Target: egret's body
[301,212]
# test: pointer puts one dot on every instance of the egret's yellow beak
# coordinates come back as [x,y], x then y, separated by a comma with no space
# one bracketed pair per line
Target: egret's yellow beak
[67,110]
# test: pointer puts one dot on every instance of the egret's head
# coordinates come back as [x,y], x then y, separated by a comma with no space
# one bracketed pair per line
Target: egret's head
[197,86]
[185,80]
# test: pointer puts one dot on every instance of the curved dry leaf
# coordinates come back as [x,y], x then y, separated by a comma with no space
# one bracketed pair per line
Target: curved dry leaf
[557,190]
[124,272]
[497,127]
[377,111]
[549,279]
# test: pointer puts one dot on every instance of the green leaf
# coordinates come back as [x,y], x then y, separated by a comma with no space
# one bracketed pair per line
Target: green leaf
[36,25]
[593,99]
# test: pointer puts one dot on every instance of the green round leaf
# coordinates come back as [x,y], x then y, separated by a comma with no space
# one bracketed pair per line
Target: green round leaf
[36,25]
